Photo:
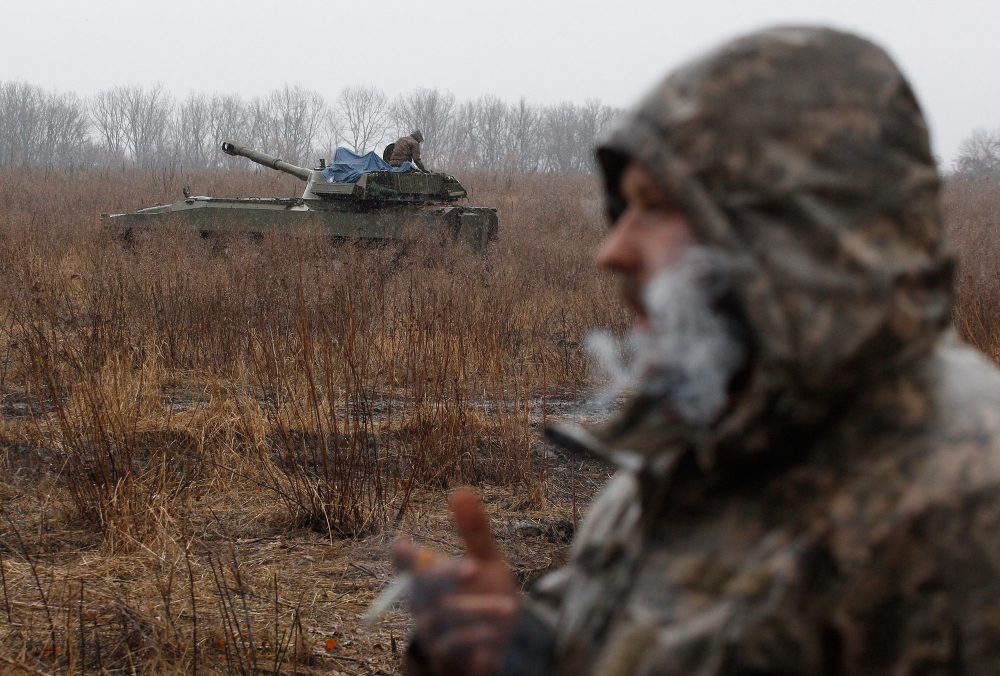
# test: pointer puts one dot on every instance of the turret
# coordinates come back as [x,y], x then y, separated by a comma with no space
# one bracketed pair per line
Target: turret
[378,186]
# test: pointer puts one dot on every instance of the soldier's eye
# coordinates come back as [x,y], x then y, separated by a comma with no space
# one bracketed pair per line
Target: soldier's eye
[655,199]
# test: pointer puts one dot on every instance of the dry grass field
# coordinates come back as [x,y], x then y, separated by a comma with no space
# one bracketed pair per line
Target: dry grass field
[207,447]
[972,212]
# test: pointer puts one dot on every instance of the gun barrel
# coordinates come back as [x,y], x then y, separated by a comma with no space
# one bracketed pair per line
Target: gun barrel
[266,160]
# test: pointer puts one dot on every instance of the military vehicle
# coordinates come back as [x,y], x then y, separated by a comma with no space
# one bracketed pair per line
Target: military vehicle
[355,197]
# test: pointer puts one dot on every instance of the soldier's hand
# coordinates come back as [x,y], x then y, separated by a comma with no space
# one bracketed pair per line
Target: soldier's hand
[465,609]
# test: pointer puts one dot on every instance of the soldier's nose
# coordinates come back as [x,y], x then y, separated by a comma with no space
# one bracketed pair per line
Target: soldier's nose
[617,252]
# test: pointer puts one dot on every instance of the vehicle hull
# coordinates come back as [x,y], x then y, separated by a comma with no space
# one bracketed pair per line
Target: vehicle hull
[477,226]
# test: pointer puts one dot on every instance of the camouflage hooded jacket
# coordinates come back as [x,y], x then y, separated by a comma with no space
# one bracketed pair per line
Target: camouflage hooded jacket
[844,516]
[407,149]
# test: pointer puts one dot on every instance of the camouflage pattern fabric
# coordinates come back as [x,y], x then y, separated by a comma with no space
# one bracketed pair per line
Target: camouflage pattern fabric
[407,149]
[844,515]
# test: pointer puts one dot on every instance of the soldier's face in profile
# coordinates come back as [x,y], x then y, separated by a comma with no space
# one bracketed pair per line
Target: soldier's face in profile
[685,347]
[650,235]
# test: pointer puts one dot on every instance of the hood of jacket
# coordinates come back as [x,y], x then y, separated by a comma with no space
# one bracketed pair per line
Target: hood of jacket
[802,153]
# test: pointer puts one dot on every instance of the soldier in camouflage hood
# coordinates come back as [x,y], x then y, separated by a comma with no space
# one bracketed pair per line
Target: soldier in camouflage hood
[840,511]
[407,149]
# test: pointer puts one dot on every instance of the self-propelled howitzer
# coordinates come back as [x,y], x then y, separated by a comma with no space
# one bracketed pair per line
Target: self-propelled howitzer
[349,201]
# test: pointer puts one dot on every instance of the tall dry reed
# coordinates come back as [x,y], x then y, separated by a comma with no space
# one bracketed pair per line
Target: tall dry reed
[972,213]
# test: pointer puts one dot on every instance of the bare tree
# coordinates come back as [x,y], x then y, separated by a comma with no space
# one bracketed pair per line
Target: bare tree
[144,127]
[593,120]
[260,123]
[464,152]
[228,120]
[330,135]
[147,117]
[41,128]
[481,131]
[523,143]
[979,154]
[490,132]
[66,131]
[559,138]
[192,132]
[298,115]
[133,122]
[108,115]
[21,111]
[364,116]
[432,112]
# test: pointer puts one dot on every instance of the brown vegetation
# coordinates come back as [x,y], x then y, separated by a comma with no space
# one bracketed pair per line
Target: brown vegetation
[207,446]
[972,212]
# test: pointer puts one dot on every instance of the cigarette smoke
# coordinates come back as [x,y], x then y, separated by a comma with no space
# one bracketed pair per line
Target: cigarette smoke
[690,350]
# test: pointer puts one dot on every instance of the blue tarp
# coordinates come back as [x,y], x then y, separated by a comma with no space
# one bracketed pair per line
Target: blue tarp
[347,166]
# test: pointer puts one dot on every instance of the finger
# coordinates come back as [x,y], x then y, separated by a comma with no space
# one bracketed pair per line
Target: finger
[472,649]
[404,554]
[496,607]
[434,623]
[473,525]
[437,632]
[431,586]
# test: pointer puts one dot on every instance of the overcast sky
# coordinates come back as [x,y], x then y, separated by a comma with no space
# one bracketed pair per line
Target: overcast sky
[544,50]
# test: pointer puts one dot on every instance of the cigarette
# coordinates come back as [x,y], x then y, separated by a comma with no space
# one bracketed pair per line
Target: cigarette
[393,593]
[400,587]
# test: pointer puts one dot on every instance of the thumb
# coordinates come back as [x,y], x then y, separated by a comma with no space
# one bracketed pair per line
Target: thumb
[404,554]
[473,525]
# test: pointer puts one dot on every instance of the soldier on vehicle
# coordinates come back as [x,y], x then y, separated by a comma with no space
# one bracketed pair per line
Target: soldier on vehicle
[809,466]
[407,149]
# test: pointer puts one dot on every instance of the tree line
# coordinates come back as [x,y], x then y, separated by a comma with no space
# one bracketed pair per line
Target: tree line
[146,127]
[979,155]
